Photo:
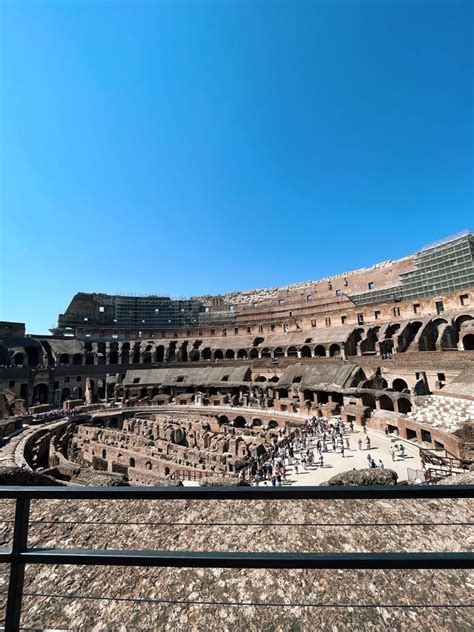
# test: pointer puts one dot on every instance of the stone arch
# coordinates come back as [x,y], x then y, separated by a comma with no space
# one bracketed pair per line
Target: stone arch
[64,358]
[194,355]
[335,351]
[19,359]
[148,465]
[368,400]
[305,351]
[320,351]
[65,394]
[265,353]
[239,422]
[253,354]
[160,353]
[430,334]
[206,353]
[218,354]
[408,335]
[272,424]
[89,358]
[77,358]
[399,385]
[242,354]
[468,342]
[386,402]
[41,393]
[256,422]
[223,419]
[229,354]
[292,352]
[404,405]
[132,462]
[278,353]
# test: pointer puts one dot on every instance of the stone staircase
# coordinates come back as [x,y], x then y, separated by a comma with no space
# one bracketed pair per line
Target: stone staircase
[443,412]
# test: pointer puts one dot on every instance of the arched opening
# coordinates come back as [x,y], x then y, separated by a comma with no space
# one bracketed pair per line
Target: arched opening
[41,394]
[253,354]
[468,342]
[206,353]
[256,422]
[404,405]
[308,395]
[18,359]
[239,422]
[278,353]
[229,354]
[385,402]
[430,334]
[148,465]
[167,471]
[305,352]
[77,358]
[334,351]
[147,358]
[399,385]
[132,462]
[78,392]
[64,358]
[194,355]
[113,357]
[368,400]
[89,358]
[265,353]
[260,378]
[272,424]
[32,355]
[65,394]
[292,352]
[408,335]
[283,392]
[223,419]
[104,454]
[319,351]
[159,353]
[218,354]
[242,354]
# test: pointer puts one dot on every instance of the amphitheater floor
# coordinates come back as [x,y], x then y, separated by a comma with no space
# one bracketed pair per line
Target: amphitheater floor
[335,463]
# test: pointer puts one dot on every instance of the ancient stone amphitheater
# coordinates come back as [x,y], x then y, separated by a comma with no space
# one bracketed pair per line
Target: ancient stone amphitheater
[149,390]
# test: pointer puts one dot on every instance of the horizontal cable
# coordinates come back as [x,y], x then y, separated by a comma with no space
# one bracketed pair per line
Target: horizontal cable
[257,604]
[254,524]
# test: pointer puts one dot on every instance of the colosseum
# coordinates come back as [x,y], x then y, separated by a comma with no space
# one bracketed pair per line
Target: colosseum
[363,378]
[149,388]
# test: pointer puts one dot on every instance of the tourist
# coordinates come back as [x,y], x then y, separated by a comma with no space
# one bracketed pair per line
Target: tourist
[380,464]
[372,463]
[348,446]
[402,450]
[367,443]
[392,452]
[360,444]
[369,460]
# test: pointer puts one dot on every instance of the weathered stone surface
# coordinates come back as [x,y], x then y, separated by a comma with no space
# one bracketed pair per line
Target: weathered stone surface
[369,476]
[20,476]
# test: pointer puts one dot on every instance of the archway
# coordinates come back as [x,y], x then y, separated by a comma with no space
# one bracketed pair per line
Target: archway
[278,353]
[18,359]
[239,422]
[292,352]
[242,354]
[335,351]
[65,394]
[404,405]
[223,419]
[229,354]
[194,355]
[218,354]
[265,353]
[468,342]
[385,402]
[89,358]
[305,352]
[41,393]
[368,400]
[319,351]
[256,422]
[77,358]
[160,353]
[64,358]
[399,385]
[253,354]
[113,357]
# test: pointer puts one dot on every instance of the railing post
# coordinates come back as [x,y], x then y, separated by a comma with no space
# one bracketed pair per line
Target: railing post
[17,567]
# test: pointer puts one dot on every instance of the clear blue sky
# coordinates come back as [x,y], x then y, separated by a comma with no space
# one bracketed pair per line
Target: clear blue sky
[200,147]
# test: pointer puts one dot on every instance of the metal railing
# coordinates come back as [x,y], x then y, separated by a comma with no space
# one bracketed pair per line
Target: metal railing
[20,554]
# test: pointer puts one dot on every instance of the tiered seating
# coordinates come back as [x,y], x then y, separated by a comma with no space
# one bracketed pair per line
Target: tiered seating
[445,413]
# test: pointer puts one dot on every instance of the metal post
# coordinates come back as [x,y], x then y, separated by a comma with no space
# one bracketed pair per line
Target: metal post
[17,567]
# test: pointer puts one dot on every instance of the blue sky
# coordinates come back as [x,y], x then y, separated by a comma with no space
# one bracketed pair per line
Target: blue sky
[183,148]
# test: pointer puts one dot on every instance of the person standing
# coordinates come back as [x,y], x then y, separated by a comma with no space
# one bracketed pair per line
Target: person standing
[360,444]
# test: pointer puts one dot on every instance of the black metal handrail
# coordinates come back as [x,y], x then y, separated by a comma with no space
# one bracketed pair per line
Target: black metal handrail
[19,554]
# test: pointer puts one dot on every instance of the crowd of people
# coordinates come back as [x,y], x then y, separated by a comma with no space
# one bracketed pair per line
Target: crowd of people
[310,447]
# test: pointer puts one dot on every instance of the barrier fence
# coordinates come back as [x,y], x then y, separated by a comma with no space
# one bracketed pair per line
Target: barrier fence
[20,554]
